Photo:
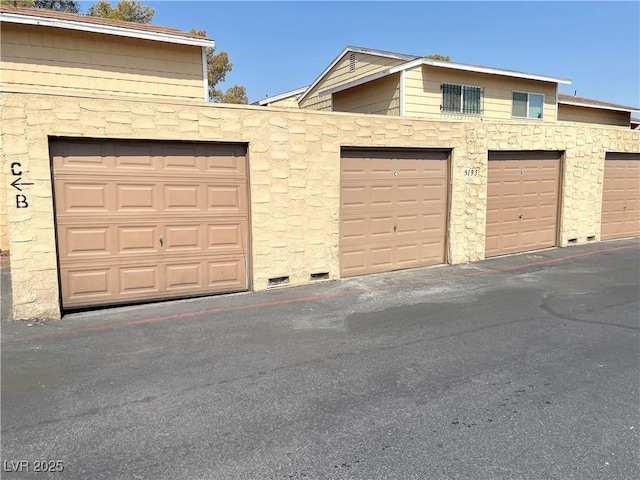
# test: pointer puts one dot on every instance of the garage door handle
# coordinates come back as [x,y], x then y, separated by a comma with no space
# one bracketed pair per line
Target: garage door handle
[520,216]
[395,228]
[161,240]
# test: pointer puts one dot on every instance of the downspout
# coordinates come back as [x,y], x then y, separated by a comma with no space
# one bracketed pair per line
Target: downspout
[205,74]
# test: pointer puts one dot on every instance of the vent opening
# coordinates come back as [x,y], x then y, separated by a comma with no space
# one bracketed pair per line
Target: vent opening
[275,281]
[320,276]
[591,238]
[352,62]
[572,240]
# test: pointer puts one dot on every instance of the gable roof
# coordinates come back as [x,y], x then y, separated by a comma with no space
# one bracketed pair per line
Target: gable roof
[352,49]
[411,61]
[87,23]
[281,96]
[591,103]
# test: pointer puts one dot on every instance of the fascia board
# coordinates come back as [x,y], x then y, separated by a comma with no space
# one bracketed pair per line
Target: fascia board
[495,71]
[105,29]
[600,107]
[372,77]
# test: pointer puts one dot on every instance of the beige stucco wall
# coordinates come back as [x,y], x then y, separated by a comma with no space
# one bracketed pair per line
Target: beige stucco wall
[341,73]
[41,59]
[575,114]
[379,97]
[423,95]
[294,159]
[4,237]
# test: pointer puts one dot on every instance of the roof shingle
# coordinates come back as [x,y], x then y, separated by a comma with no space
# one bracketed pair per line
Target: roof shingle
[589,102]
[87,19]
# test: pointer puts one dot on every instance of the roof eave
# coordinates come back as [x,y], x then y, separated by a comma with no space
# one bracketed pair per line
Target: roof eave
[347,49]
[457,66]
[495,71]
[619,108]
[434,63]
[281,96]
[322,75]
[372,77]
[105,29]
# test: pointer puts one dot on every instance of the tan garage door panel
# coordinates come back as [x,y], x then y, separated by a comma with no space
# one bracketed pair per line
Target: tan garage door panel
[149,220]
[522,201]
[621,196]
[393,209]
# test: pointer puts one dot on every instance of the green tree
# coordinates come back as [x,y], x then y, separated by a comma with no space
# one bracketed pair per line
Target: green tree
[58,5]
[218,65]
[18,3]
[437,56]
[129,11]
[235,94]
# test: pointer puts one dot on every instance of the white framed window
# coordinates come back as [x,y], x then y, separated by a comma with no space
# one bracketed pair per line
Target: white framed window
[527,105]
[465,99]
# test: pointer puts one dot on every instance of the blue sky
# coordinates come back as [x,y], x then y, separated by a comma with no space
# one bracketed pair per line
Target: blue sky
[279,46]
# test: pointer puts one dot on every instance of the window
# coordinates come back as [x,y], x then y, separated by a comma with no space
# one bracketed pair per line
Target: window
[527,105]
[461,99]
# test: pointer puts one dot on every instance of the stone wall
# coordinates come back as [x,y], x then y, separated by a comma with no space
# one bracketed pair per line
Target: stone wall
[4,236]
[294,169]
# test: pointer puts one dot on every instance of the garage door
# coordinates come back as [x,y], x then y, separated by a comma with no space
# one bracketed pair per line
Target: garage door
[393,209]
[149,220]
[522,201]
[621,196]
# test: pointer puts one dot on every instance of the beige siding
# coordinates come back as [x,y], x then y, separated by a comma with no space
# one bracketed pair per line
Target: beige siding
[289,102]
[572,113]
[36,59]
[340,74]
[316,102]
[424,96]
[381,97]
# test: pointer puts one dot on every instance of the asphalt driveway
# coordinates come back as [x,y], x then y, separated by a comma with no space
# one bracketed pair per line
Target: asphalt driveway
[520,367]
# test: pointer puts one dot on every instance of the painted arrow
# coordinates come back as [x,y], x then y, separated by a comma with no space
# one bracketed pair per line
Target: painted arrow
[15,184]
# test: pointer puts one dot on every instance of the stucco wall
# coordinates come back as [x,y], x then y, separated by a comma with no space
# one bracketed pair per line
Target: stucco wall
[4,237]
[294,159]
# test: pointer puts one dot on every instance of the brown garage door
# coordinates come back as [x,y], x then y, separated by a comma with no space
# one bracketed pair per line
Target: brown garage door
[149,220]
[393,209]
[522,201]
[621,196]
